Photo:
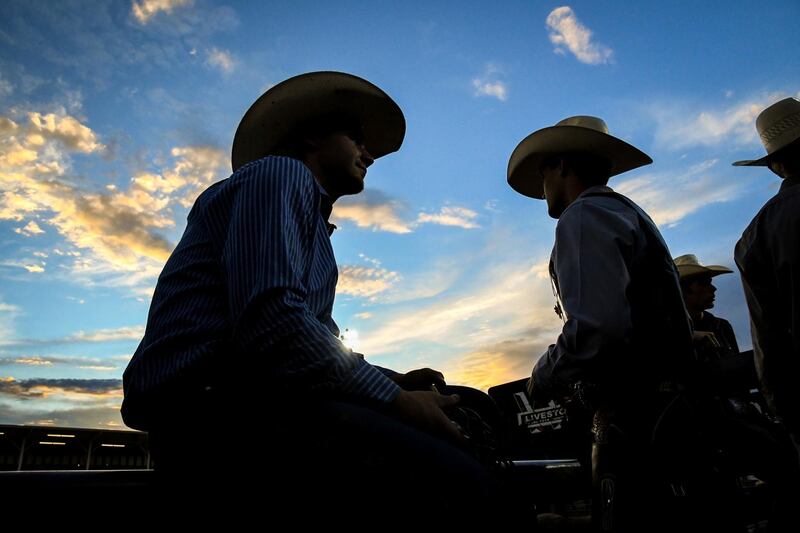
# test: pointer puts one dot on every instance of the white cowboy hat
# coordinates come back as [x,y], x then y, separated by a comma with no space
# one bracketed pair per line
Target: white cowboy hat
[573,134]
[778,126]
[688,265]
[277,112]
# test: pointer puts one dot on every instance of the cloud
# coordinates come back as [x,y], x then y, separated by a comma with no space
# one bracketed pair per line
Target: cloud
[375,210]
[371,209]
[364,282]
[119,229]
[221,59]
[566,31]
[30,229]
[127,333]
[516,302]
[144,10]
[25,413]
[75,389]
[34,268]
[668,198]
[66,129]
[451,216]
[497,363]
[87,363]
[489,85]
[6,89]
[365,315]
[61,402]
[8,316]
[679,127]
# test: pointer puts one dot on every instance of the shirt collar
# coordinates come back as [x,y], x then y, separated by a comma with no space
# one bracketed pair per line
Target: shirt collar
[326,207]
[789,182]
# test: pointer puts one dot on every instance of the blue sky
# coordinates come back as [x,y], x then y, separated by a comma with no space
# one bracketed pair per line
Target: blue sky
[114,116]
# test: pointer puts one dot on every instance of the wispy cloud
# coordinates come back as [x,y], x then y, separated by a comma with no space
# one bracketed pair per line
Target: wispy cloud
[144,10]
[668,198]
[377,211]
[451,216]
[489,84]
[372,209]
[566,32]
[6,89]
[222,60]
[87,363]
[97,336]
[679,126]
[516,302]
[8,316]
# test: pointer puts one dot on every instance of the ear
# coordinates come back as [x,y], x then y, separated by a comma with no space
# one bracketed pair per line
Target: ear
[562,167]
[312,141]
[777,167]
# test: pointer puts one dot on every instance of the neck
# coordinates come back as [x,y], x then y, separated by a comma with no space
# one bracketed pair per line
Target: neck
[575,187]
[321,178]
[696,316]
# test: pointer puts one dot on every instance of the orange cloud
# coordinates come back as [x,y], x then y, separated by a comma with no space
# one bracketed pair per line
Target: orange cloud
[364,281]
[119,228]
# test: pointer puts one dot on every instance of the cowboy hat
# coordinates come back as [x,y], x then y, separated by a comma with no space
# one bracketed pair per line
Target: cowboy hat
[778,126]
[688,265]
[275,115]
[573,134]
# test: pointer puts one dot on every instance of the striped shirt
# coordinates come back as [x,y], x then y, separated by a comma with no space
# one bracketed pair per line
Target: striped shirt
[249,292]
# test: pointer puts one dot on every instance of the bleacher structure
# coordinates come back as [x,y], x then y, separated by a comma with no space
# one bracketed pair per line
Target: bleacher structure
[26,448]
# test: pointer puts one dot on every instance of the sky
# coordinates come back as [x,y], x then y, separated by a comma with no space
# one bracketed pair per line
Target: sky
[115,115]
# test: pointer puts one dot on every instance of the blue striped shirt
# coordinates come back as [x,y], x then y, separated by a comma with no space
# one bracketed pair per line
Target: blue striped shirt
[248,292]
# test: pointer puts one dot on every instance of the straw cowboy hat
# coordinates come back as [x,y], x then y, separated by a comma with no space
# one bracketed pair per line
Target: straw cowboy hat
[778,126]
[688,265]
[277,112]
[573,134]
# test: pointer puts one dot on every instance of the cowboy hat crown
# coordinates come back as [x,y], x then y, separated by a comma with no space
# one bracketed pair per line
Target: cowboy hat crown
[778,126]
[688,265]
[581,133]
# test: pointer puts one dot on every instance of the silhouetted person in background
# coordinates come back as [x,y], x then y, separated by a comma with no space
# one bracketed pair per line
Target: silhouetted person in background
[768,257]
[750,442]
[699,295]
[241,379]
[626,335]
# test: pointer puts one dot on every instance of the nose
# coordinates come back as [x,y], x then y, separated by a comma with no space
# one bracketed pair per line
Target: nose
[366,157]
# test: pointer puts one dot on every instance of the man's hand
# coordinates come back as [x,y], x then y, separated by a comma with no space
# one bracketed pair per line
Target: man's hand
[420,380]
[423,409]
[699,337]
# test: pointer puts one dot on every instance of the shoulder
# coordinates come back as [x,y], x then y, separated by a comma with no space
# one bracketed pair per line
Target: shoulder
[595,212]
[275,183]
[275,172]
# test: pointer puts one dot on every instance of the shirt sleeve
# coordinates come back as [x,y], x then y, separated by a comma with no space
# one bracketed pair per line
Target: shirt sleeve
[592,257]
[266,257]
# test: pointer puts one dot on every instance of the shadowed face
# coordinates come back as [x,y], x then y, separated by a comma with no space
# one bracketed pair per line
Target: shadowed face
[700,294]
[342,161]
[555,187]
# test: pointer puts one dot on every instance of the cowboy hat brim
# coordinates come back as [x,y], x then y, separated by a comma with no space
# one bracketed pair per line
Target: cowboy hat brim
[523,167]
[763,162]
[276,114]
